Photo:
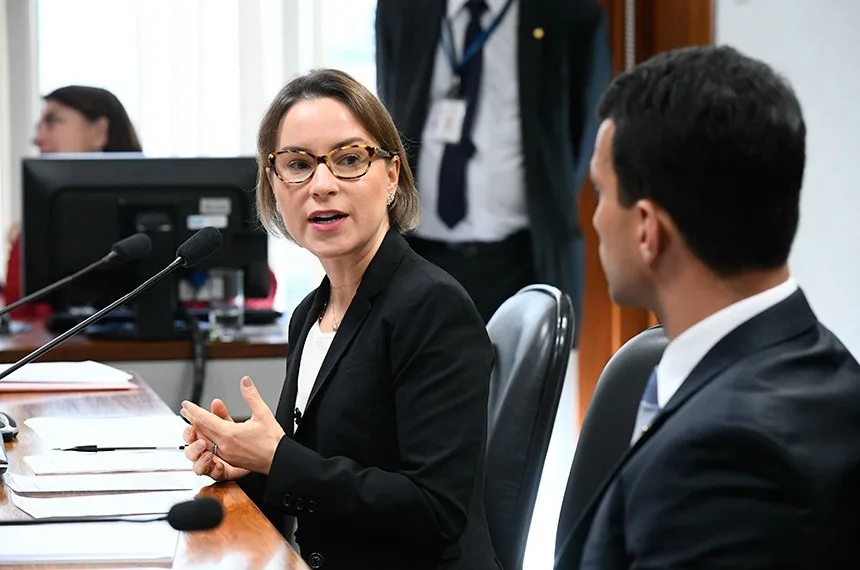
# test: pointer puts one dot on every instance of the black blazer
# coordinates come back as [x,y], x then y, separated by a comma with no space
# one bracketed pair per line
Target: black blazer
[753,463]
[561,76]
[385,469]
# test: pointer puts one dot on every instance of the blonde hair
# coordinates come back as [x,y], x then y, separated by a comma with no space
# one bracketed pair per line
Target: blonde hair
[404,214]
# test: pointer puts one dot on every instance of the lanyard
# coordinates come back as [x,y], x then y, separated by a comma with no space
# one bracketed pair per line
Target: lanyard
[476,44]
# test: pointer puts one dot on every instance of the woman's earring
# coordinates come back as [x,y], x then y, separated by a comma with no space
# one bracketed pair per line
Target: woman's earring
[389,200]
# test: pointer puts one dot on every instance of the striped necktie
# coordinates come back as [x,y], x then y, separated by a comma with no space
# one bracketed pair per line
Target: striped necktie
[648,408]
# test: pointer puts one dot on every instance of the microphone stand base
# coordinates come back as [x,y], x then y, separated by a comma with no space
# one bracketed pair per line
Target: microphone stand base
[9,327]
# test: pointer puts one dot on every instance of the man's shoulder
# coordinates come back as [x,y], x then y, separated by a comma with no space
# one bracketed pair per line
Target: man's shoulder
[797,394]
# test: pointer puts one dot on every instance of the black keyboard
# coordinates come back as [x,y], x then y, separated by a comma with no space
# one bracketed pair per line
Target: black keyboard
[61,322]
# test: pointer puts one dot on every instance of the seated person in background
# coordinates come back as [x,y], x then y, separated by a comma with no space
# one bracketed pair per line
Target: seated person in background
[78,118]
[378,440]
[81,119]
[75,118]
[747,448]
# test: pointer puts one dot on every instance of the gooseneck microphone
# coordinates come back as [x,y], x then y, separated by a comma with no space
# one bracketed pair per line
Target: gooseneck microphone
[197,248]
[127,249]
[204,513]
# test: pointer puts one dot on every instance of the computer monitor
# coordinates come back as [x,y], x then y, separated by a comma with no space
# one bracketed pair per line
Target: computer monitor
[77,206]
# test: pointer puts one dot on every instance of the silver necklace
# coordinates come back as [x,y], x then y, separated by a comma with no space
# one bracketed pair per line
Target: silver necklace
[335,323]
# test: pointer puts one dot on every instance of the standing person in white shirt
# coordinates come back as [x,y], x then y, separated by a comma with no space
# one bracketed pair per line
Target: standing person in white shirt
[496,100]
[747,454]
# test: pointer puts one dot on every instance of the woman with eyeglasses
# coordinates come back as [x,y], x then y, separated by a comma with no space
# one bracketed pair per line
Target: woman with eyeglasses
[377,444]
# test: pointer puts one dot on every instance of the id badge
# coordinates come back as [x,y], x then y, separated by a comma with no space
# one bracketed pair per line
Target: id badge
[445,123]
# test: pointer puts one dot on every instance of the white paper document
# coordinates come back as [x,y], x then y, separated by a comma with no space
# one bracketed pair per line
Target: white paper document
[51,376]
[70,462]
[163,430]
[89,483]
[115,505]
[92,543]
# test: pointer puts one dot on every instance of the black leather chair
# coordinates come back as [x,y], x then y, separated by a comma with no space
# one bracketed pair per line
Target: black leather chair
[532,333]
[608,424]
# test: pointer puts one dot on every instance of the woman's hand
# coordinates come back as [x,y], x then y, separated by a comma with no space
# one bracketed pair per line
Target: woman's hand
[249,445]
[199,450]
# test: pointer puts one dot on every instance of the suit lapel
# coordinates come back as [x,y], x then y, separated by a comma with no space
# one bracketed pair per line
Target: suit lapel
[420,41]
[376,277]
[781,322]
[426,23]
[531,28]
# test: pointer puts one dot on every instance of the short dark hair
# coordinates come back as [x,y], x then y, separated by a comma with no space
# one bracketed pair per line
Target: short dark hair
[94,103]
[718,140]
[404,213]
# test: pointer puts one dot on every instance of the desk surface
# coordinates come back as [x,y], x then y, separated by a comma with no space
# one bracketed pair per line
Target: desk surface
[262,342]
[245,539]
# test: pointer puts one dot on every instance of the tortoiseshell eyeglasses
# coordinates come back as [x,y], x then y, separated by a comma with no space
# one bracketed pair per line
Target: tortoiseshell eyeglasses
[295,166]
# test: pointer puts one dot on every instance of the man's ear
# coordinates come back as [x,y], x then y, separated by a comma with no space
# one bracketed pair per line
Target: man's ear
[650,234]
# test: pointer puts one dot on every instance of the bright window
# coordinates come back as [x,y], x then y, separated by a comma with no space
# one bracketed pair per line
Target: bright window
[197,75]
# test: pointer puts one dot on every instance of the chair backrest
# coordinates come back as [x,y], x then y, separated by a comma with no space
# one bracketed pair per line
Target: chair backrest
[532,333]
[608,424]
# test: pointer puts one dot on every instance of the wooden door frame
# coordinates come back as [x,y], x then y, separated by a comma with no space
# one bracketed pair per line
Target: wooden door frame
[659,25]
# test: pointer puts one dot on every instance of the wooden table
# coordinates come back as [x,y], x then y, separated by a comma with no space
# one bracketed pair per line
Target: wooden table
[261,342]
[245,539]
[168,365]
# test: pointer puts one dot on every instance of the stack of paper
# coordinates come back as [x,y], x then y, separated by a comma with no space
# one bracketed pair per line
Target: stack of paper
[127,487]
[56,376]
[161,431]
[114,505]
[70,462]
[109,482]
[92,543]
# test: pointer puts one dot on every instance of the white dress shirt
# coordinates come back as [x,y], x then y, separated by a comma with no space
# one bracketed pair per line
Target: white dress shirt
[690,347]
[316,347]
[495,176]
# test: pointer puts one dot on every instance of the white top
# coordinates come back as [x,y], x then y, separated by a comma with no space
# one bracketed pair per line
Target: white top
[690,347]
[313,354]
[495,176]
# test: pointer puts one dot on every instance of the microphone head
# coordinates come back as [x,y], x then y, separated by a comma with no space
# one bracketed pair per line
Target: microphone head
[132,247]
[199,246]
[204,513]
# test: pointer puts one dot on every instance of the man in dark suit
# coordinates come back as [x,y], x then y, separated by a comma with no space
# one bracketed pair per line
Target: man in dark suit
[495,100]
[746,449]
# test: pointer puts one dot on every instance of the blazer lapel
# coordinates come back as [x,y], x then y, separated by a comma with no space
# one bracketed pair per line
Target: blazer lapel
[376,277]
[781,322]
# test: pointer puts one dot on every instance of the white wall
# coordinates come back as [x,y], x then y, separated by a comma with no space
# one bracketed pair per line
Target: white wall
[815,44]
[24,106]
[6,205]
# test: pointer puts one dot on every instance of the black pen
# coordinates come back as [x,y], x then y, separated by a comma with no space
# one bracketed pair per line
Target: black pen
[92,448]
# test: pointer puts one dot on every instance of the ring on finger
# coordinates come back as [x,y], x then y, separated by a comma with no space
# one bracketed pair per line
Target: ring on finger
[215,449]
